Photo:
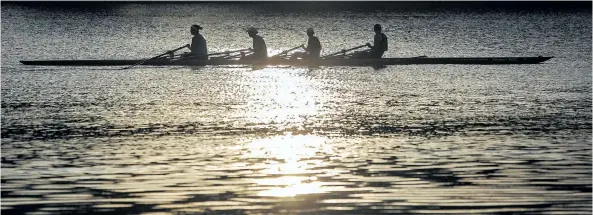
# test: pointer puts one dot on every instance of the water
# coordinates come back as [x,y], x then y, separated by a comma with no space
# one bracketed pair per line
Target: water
[334,140]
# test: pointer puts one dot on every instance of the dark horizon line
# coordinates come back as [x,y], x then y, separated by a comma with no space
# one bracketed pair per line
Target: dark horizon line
[317,5]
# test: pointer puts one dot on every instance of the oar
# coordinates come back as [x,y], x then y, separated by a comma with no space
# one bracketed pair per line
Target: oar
[281,53]
[214,55]
[343,51]
[230,56]
[236,55]
[228,52]
[219,53]
[286,52]
[166,53]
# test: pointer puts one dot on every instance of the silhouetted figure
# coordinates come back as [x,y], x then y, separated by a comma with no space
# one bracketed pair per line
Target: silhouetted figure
[313,48]
[260,51]
[198,44]
[379,45]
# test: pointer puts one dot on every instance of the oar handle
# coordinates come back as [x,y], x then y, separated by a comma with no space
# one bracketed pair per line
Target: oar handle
[163,54]
[219,53]
[227,52]
[230,56]
[177,49]
[343,51]
[236,55]
[285,52]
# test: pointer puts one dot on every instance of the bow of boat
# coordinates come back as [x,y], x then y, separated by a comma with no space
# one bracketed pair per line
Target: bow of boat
[542,59]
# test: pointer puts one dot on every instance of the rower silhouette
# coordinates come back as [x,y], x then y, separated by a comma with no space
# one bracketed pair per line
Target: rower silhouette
[260,51]
[378,48]
[198,47]
[313,48]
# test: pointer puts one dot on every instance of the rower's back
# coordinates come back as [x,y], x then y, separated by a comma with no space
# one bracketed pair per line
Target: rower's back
[198,43]
[380,46]
[314,47]
[380,43]
[260,50]
[198,46]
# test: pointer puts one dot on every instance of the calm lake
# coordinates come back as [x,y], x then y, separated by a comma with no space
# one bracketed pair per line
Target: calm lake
[407,139]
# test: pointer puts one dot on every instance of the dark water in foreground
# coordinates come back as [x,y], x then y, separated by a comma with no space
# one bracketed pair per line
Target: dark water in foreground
[339,140]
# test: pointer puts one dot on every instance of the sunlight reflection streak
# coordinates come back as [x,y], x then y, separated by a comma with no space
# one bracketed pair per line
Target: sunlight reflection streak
[289,154]
[284,97]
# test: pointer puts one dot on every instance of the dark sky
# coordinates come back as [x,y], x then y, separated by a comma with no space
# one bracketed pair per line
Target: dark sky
[289,6]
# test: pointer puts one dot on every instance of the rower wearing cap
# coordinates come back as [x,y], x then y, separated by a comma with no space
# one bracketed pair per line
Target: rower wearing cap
[260,50]
[379,44]
[198,44]
[313,48]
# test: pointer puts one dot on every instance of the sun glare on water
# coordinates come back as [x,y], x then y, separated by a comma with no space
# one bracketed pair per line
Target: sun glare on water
[282,100]
[280,97]
[288,168]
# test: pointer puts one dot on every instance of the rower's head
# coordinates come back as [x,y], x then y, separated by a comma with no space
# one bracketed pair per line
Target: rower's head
[377,28]
[310,32]
[252,31]
[195,29]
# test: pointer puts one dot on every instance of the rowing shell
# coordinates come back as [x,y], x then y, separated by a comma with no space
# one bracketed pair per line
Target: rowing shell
[296,62]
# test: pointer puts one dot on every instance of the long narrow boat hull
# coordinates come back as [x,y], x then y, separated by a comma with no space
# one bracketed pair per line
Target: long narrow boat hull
[324,62]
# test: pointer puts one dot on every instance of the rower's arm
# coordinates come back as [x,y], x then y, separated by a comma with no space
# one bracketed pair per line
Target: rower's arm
[377,41]
[259,45]
[308,45]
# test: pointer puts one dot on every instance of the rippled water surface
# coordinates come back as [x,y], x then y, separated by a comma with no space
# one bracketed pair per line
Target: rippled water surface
[289,140]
